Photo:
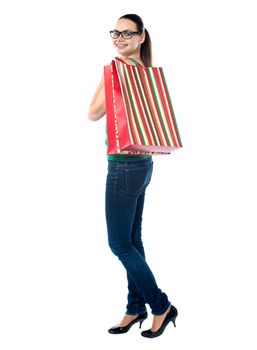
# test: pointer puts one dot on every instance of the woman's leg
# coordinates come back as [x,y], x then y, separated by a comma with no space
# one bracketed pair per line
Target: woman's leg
[125,183]
[136,302]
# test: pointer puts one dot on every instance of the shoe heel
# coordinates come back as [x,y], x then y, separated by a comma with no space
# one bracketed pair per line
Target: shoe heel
[140,324]
[174,321]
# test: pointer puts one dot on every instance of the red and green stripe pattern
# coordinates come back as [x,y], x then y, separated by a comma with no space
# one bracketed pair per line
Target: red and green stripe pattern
[148,106]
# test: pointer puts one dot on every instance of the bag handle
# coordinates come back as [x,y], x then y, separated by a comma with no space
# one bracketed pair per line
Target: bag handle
[132,59]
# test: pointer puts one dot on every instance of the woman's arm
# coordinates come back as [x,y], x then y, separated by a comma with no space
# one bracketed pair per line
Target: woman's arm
[97,105]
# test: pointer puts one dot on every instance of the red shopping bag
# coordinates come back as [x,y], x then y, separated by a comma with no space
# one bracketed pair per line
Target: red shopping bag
[140,116]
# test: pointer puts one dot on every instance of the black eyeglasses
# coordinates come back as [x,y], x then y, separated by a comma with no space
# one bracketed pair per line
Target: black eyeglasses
[126,34]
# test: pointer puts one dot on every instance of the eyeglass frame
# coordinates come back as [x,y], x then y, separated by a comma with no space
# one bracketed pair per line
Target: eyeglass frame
[127,31]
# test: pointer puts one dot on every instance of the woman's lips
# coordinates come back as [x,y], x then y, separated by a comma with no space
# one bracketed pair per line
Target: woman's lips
[121,46]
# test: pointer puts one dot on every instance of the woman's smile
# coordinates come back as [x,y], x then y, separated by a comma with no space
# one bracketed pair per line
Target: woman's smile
[121,46]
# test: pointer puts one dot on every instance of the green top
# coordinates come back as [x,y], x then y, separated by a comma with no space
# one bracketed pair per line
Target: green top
[122,157]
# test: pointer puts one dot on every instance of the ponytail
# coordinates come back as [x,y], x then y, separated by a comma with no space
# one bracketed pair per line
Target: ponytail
[146,50]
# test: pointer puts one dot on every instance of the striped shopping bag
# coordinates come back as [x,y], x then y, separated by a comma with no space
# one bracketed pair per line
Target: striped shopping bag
[140,116]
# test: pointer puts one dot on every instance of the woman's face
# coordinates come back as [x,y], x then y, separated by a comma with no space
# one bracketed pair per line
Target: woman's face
[127,47]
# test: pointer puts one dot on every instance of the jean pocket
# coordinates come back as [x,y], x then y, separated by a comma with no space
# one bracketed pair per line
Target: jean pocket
[137,179]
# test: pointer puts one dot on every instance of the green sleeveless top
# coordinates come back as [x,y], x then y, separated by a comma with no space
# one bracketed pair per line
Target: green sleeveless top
[123,157]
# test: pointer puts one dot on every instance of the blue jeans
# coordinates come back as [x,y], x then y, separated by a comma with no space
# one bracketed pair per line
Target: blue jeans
[125,193]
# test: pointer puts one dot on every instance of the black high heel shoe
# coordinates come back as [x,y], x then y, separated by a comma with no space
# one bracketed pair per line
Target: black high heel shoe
[170,317]
[120,330]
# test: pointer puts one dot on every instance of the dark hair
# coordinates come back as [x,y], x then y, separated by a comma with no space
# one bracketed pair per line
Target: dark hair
[146,47]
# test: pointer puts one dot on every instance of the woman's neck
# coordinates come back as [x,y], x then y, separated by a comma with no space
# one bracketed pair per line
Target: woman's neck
[135,56]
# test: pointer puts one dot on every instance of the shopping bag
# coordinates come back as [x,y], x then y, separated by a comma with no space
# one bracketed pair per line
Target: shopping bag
[140,116]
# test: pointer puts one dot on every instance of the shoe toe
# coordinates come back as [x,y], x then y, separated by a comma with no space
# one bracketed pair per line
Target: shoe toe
[148,334]
[118,330]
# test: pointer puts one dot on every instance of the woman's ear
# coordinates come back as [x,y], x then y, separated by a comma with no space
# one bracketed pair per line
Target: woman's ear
[142,39]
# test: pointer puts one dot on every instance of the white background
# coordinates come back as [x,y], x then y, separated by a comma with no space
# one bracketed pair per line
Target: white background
[61,287]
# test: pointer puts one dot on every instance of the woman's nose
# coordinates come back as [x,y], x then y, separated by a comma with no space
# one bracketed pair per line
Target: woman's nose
[120,38]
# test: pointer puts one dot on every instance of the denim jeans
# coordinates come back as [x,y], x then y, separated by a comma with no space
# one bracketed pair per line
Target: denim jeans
[125,193]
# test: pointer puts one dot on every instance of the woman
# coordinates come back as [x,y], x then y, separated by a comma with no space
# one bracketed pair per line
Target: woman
[127,179]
